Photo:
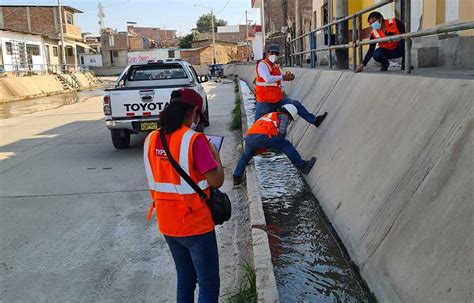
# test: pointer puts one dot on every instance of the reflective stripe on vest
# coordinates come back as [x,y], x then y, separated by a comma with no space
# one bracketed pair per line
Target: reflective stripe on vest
[390,26]
[268,118]
[183,188]
[266,125]
[258,83]
[268,92]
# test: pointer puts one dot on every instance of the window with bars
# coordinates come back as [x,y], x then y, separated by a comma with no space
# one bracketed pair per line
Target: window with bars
[8,48]
[33,49]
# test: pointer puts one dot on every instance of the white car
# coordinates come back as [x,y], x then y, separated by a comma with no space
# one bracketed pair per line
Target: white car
[141,92]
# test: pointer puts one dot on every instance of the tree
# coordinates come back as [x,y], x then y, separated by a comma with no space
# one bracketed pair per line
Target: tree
[186,41]
[203,24]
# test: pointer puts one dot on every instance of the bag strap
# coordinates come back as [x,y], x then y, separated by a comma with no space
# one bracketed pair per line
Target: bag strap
[180,170]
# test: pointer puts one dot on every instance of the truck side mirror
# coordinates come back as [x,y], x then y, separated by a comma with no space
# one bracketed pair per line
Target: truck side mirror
[203,78]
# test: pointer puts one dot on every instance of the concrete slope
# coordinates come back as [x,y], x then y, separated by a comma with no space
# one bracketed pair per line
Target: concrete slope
[394,175]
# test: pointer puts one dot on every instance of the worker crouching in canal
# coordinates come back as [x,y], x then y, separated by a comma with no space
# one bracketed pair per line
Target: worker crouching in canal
[269,132]
[183,216]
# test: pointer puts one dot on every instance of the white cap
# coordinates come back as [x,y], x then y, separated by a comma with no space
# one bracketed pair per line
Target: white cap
[291,109]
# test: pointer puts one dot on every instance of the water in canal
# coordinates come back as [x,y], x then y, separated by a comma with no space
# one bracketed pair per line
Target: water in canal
[308,260]
[27,106]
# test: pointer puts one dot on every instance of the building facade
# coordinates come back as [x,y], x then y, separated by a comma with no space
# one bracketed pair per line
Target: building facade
[142,38]
[201,53]
[20,51]
[451,50]
[45,21]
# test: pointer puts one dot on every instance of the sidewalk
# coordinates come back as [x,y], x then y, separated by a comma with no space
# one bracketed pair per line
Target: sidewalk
[73,210]
[233,237]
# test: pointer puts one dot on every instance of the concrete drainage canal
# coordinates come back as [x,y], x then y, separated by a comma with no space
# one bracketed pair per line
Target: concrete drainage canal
[309,260]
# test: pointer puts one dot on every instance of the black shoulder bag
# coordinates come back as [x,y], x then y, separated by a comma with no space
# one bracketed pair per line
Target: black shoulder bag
[219,202]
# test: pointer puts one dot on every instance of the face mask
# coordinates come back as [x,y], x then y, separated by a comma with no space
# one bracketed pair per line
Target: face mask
[376,25]
[272,58]
[194,125]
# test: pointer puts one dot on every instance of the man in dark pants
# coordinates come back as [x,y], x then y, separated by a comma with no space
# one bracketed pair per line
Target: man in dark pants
[387,50]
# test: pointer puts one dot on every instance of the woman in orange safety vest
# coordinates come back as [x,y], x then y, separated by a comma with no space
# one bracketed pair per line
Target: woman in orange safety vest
[183,216]
[386,50]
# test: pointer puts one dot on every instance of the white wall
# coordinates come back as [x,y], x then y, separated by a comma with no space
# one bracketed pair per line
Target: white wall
[37,61]
[156,54]
[91,59]
[416,14]
[452,10]
[257,46]
[228,29]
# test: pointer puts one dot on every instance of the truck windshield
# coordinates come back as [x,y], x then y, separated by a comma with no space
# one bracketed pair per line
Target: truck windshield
[157,73]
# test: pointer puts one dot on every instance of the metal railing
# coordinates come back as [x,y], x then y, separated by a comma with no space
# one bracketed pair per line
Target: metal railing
[41,69]
[357,42]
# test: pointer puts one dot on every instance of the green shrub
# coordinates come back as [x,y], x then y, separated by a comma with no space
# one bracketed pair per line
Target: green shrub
[247,292]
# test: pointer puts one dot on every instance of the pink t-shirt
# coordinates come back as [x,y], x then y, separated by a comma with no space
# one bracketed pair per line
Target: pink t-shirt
[203,159]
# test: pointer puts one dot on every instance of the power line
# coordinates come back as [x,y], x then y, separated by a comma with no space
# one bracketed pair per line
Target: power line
[223,8]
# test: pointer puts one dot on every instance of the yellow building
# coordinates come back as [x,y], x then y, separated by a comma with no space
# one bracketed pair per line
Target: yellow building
[446,50]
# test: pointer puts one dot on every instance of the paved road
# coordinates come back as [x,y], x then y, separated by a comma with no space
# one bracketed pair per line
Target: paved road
[72,210]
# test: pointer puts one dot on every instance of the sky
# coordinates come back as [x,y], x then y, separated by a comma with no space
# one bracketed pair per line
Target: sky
[180,15]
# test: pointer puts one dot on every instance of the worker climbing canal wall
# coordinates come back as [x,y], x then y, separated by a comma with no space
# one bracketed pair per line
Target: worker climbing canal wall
[394,175]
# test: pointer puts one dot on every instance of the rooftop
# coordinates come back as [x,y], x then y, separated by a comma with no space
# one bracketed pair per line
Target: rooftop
[64,6]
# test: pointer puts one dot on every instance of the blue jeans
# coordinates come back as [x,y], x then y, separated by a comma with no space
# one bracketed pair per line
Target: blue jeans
[196,259]
[263,108]
[382,55]
[252,142]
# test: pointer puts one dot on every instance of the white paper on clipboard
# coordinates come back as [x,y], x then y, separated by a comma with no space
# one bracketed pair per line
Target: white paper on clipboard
[216,140]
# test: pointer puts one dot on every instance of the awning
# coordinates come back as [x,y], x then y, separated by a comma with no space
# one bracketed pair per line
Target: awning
[84,45]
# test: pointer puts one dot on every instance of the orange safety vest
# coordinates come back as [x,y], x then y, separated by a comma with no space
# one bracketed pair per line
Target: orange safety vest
[266,125]
[180,211]
[268,92]
[390,27]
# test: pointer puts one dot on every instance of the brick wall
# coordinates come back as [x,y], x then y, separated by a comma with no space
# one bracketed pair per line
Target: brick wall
[277,14]
[165,37]
[120,41]
[15,18]
[192,56]
[43,20]
[224,54]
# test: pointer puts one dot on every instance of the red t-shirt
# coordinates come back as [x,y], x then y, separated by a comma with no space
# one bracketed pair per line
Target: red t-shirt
[203,159]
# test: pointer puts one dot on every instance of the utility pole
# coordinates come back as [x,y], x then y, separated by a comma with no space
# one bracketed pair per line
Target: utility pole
[299,43]
[262,17]
[342,33]
[213,39]
[63,54]
[247,36]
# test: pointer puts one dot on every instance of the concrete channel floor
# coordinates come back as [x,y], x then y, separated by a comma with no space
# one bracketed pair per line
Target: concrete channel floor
[73,210]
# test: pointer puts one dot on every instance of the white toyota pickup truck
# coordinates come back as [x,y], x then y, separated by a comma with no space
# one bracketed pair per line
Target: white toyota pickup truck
[141,92]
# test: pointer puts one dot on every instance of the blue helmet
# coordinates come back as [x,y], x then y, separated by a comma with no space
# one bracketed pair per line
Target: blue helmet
[273,48]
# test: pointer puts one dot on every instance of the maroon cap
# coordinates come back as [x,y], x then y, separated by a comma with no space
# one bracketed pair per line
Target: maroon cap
[188,96]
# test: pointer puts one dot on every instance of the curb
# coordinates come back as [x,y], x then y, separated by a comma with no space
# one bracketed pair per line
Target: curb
[267,290]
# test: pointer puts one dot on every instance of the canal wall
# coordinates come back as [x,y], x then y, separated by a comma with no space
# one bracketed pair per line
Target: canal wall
[394,175]
[19,88]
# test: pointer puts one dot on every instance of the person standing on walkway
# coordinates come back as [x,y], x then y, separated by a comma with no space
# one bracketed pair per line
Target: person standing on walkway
[183,216]
[269,93]
[387,50]
[269,132]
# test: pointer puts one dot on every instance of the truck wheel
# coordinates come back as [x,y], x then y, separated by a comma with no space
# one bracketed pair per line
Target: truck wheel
[206,114]
[120,138]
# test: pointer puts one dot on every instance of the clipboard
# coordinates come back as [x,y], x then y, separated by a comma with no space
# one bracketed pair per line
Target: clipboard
[216,140]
